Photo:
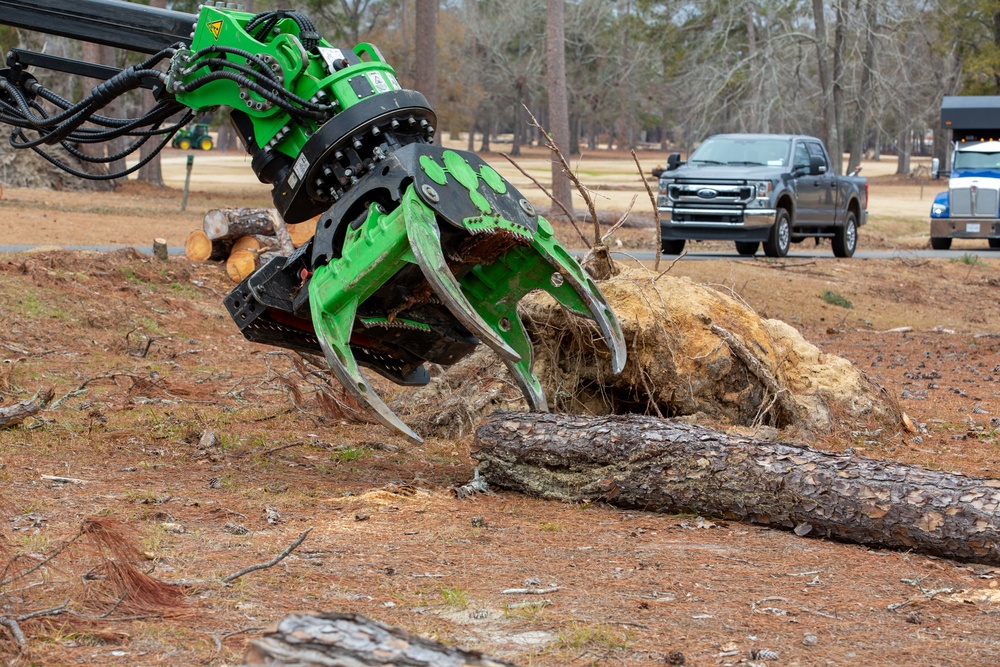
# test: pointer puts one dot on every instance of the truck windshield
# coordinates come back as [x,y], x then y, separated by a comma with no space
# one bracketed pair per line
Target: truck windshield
[977,160]
[743,151]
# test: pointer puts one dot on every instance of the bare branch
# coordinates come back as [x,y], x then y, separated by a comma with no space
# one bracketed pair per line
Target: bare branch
[271,563]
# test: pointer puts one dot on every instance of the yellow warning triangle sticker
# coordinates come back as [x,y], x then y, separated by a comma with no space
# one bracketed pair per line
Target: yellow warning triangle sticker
[215,27]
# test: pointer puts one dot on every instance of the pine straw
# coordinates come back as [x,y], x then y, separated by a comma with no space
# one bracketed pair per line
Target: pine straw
[121,582]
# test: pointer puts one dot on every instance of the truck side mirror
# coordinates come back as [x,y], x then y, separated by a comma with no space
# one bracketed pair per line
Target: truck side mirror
[817,165]
[935,168]
[673,161]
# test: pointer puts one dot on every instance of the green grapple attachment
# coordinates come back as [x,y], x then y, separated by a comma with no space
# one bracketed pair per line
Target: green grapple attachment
[420,253]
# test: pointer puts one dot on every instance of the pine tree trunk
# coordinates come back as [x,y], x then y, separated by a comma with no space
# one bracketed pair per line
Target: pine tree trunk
[663,466]
[555,49]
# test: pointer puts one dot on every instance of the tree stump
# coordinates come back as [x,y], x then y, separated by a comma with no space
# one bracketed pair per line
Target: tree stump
[160,249]
[664,466]
[332,638]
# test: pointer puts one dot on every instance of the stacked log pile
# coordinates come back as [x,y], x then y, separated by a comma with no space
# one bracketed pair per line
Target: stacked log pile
[245,238]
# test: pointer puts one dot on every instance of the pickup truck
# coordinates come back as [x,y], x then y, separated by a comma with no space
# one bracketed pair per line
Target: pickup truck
[775,189]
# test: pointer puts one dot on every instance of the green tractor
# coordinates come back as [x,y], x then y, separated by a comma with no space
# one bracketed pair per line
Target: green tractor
[194,135]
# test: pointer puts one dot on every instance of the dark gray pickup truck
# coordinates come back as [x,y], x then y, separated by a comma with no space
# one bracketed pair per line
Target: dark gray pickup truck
[775,189]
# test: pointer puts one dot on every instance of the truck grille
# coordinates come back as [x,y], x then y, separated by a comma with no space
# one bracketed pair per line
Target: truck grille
[974,201]
[710,193]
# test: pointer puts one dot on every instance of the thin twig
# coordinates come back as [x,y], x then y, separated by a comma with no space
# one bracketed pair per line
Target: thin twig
[656,209]
[286,446]
[43,561]
[584,192]
[271,563]
[667,270]
[52,611]
[15,629]
[621,221]
[569,216]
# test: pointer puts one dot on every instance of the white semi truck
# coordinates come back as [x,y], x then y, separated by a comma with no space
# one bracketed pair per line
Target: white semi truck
[970,208]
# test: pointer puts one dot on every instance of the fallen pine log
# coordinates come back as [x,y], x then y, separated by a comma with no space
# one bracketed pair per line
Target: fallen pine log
[17,413]
[663,466]
[232,223]
[332,638]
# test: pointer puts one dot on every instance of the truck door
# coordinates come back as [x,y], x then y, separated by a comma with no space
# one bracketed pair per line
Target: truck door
[807,187]
[825,186]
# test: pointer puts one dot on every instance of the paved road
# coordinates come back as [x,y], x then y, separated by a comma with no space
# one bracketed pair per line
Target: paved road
[645,255]
[982,253]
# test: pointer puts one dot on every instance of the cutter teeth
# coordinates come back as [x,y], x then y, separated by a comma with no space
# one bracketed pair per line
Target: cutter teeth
[395,323]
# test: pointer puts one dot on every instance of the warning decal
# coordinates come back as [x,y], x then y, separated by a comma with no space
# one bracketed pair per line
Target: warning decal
[215,27]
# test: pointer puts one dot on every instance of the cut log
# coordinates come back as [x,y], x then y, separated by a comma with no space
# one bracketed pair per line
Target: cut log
[332,638]
[258,243]
[199,248]
[12,415]
[301,232]
[232,223]
[241,264]
[664,466]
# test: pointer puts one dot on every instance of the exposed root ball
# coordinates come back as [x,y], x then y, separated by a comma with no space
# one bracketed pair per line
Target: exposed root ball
[692,350]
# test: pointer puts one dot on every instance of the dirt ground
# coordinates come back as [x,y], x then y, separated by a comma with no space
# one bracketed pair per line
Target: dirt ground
[144,361]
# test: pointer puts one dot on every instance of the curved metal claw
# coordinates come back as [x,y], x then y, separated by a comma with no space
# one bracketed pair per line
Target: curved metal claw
[425,242]
[569,274]
[526,380]
[334,337]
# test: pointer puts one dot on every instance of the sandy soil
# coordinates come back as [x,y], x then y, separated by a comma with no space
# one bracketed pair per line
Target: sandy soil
[145,362]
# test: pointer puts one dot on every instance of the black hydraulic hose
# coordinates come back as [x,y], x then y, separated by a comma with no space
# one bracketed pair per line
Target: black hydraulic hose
[109,177]
[269,95]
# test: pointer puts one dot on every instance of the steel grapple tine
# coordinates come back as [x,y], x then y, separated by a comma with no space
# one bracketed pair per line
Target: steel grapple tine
[425,242]
[526,380]
[334,331]
[570,276]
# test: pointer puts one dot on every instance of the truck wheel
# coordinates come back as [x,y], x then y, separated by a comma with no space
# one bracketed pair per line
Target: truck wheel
[995,243]
[672,247]
[780,238]
[940,243]
[747,248]
[845,239]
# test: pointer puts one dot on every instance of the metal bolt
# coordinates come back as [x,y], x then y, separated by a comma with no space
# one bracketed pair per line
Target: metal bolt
[430,193]
[527,207]
[504,324]
[557,279]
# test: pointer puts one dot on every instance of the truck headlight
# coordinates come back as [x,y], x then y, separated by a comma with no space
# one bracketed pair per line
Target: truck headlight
[763,189]
[938,210]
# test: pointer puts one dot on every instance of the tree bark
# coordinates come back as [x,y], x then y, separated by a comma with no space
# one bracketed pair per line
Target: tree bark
[232,223]
[425,43]
[555,47]
[12,415]
[152,171]
[657,465]
[332,638]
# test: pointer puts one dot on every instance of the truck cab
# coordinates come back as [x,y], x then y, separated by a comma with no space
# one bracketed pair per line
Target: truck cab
[970,208]
[760,189]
